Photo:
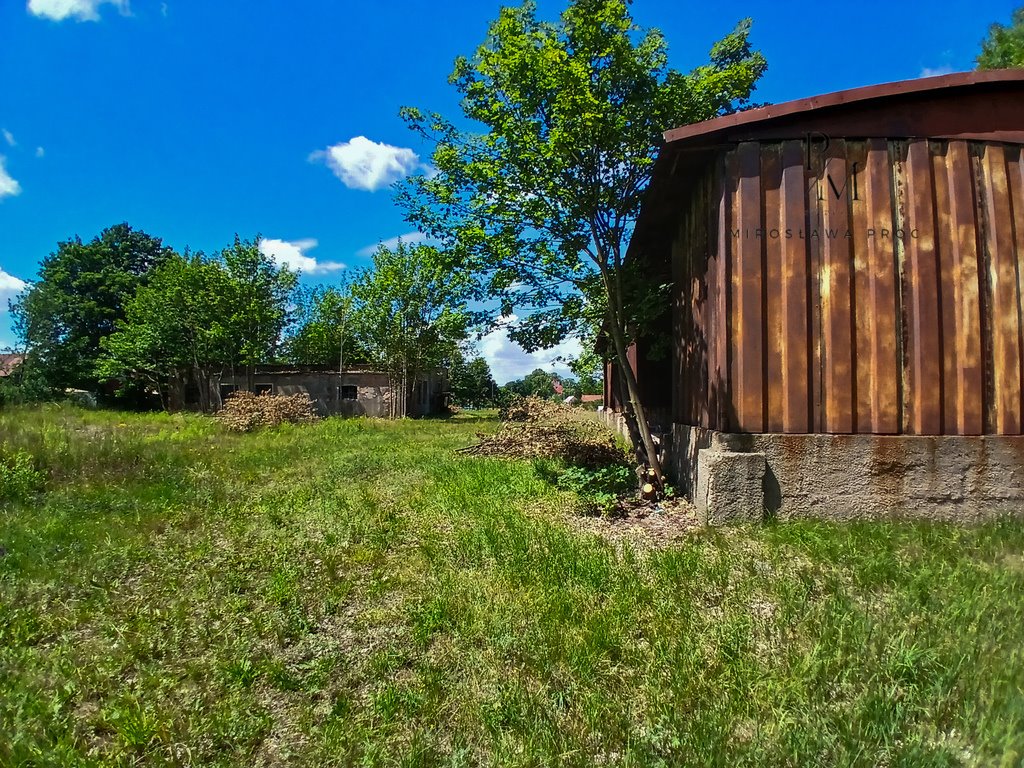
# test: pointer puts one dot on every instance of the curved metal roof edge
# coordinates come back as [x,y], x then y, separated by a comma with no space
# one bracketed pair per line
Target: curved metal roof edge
[841,98]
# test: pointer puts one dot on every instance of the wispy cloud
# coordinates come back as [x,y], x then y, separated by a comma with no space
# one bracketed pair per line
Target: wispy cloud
[364,164]
[509,361]
[936,71]
[292,254]
[8,186]
[40,152]
[10,286]
[9,138]
[81,10]
[392,242]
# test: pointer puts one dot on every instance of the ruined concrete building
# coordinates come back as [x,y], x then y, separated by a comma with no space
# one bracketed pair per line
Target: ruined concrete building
[355,392]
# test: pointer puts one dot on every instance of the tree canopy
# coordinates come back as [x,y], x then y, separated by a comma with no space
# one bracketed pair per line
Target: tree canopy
[325,333]
[81,295]
[409,313]
[1004,46]
[471,382]
[198,314]
[539,202]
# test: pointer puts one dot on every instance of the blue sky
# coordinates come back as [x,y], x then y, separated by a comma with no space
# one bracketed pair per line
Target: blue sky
[197,119]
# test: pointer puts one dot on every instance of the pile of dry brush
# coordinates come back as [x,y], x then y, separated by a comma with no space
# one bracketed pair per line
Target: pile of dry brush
[244,411]
[535,428]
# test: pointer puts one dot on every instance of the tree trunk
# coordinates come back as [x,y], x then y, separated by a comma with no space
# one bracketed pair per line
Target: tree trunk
[635,409]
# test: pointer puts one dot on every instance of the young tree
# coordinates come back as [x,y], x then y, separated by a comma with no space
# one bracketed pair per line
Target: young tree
[542,202]
[325,334]
[1004,46]
[199,315]
[174,328]
[79,298]
[537,383]
[409,314]
[257,301]
[472,384]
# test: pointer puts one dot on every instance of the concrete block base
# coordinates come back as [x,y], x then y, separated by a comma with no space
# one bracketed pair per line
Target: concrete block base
[730,487]
[845,477]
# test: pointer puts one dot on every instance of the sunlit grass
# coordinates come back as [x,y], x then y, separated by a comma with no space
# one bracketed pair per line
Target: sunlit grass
[354,592]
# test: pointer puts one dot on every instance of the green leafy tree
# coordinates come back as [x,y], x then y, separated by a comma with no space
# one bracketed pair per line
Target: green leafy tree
[410,314]
[1004,46]
[197,316]
[541,203]
[537,383]
[472,385]
[175,329]
[80,296]
[257,303]
[325,333]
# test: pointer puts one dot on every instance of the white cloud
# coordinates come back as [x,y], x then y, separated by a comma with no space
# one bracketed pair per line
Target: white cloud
[9,138]
[40,151]
[8,186]
[292,254]
[82,10]
[936,71]
[392,242]
[509,361]
[10,286]
[364,164]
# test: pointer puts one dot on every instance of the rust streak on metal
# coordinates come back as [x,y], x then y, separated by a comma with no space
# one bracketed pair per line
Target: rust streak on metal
[1005,310]
[922,306]
[962,240]
[836,294]
[747,343]
[794,301]
[773,237]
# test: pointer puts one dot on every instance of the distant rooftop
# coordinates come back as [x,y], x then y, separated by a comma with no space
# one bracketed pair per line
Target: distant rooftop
[8,362]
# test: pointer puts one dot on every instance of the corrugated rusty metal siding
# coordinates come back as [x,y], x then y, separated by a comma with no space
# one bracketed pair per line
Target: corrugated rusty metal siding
[868,286]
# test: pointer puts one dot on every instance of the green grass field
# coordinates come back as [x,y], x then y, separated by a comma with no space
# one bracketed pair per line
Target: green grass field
[355,593]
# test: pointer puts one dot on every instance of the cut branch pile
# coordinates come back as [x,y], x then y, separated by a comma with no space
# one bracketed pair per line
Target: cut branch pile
[244,411]
[535,428]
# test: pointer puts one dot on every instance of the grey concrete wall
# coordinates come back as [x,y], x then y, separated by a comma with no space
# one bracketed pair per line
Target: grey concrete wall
[374,391]
[373,394]
[845,477]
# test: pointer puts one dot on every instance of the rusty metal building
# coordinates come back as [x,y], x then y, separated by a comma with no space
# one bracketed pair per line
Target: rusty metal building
[847,304]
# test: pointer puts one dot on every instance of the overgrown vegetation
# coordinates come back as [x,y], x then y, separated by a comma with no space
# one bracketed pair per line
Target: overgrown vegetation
[538,200]
[1003,47]
[356,592]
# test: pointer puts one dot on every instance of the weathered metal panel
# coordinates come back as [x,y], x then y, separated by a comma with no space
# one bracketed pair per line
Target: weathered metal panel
[793,304]
[774,285]
[923,330]
[838,383]
[1015,193]
[1004,311]
[878,409]
[718,299]
[962,240]
[746,353]
[868,286]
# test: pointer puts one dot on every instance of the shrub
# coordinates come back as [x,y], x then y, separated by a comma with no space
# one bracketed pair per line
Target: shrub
[244,411]
[19,478]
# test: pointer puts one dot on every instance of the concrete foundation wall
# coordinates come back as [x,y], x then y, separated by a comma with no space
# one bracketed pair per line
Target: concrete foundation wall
[845,477]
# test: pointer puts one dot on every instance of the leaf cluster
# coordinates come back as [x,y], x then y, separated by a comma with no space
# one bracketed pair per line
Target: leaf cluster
[540,201]
[1003,48]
